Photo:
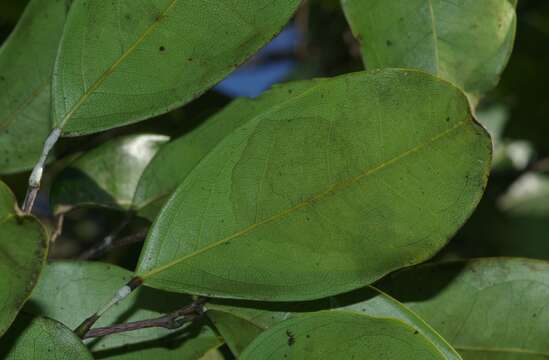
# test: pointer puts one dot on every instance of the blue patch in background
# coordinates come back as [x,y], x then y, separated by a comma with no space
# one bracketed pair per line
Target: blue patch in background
[260,73]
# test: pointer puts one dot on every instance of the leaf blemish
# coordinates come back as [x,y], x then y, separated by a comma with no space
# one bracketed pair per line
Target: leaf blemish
[162,48]
[291,338]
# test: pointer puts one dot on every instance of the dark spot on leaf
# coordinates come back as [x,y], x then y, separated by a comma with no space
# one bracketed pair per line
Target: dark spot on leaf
[190,59]
[447,119]
[416,332]
[534,315]
[162,48]
[291,338]
[308,336]
[2,78]
[389,43]
[127,17]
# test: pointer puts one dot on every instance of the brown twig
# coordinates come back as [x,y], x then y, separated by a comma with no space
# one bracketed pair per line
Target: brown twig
[58,227]
[109,243]
[170,321]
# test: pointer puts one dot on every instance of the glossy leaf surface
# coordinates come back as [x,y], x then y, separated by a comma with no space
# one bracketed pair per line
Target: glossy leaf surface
[23,251]
[107,175]
[38,338]
[328,335]
[26,65]
[363,158]
[487,309]
[69,291]
[239,323]
[467,42]
[125,61]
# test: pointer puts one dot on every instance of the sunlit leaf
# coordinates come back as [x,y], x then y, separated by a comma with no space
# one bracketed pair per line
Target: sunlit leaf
[343,181]
[26,64]
[124,61]
[240,322]
[490,309]
[343,335]
[467,42]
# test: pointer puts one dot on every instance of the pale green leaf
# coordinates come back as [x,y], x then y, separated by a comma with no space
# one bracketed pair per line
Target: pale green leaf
[38,338]
[107,175]
[239,322]
[488,309]
[528,196]
[341,335]
[343,181]
[124,61]
[69,291]
[26,64]
[23,251]
[467,42]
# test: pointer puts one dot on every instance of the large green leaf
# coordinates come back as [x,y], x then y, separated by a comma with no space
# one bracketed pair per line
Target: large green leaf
[467,42]
[26,64]
[38,338]
[239,322]
[487,309]
[341,335]
[139,172]
[69,291]
[23,251]
[123,61]
[175,160]
[107,175]
[343,181]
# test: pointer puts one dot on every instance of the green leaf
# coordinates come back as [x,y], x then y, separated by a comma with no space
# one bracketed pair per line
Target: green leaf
[69,291]
[239,323]
[487,309]
[528,196]
[107,175]
[38,338]
[293,205]
[466,42]
[124,61]
[26,63]
[177,159]
[329,335]
[139,172]
[23,251]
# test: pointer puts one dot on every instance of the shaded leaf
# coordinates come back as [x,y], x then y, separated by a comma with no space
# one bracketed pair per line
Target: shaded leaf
[527,197]
[329,335]
[67,291]
[26,63]
[487,309]
[107,175]
[467,42]
[356,158]
[125,61]
[239,322]
[38,338]
[23,251]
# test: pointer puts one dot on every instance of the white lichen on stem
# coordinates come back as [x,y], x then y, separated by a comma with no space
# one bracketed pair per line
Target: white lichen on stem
[35,178]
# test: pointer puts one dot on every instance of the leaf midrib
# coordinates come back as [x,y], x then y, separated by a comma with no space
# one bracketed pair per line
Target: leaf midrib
[502,350]
[330,191]
[113,67]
